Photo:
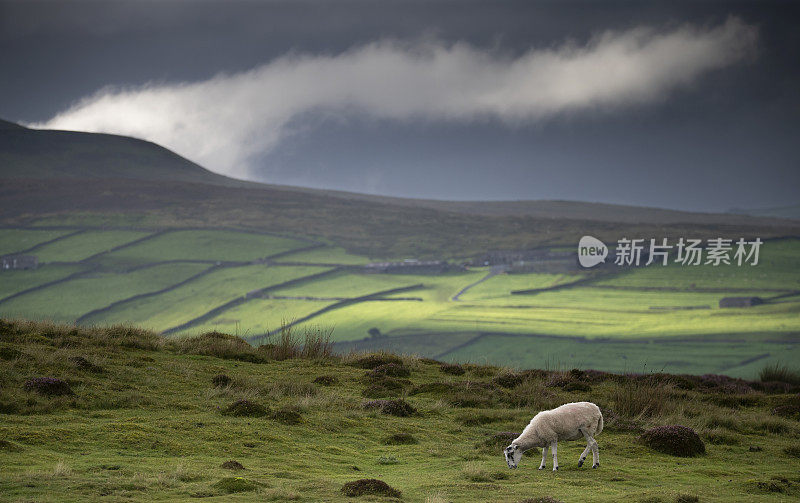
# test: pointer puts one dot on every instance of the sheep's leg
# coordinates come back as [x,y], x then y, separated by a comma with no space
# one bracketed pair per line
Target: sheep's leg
[544,457]
[595,454]
[585,451]
[554,448]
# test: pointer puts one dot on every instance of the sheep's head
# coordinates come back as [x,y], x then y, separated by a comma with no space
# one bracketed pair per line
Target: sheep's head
[513,454]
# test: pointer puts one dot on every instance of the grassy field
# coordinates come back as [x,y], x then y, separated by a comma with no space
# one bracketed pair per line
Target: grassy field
[67,301]
[204,245]
[81,246]
[145,422]
[17,281]
[200,296]
[17,240]
[610,312]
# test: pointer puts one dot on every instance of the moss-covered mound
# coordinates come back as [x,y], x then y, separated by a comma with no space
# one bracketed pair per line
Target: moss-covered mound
[232,465]
[675,440]
[245,408]
[364,487]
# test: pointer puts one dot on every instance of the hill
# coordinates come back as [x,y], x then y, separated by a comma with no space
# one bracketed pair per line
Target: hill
[119,413]
[72,178]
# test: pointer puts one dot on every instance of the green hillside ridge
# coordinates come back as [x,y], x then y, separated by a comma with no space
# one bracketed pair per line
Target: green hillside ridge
[132,416]
[88,179]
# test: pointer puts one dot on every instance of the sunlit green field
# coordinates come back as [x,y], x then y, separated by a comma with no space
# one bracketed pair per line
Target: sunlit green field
[192,281]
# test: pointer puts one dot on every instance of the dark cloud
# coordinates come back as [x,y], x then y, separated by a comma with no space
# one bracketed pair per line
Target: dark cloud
[731,133]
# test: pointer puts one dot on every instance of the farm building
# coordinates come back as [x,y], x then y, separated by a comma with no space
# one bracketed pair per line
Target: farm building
[412,267]
[8,262]
[740,301]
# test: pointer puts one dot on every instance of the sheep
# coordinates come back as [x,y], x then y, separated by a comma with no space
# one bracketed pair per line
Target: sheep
[570,421]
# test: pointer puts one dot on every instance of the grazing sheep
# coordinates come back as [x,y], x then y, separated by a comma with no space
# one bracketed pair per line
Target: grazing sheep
[571,421]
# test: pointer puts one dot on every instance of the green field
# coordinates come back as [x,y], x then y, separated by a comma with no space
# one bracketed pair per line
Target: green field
[145,422]
[17,240]
[609,314]
[85,244]
[12,282]
[67,301]
[198,297]
[204,245]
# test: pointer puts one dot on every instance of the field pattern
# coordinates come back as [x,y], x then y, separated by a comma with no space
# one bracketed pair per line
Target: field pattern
[190,281]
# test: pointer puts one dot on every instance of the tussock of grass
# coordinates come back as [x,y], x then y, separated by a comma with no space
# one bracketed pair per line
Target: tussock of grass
[366,487]
[232,485]
[636,399]
[372,360]
[314,343]
[779,373]
[400,439]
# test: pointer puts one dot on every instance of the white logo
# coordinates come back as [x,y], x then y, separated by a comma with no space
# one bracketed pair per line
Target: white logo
[591,251]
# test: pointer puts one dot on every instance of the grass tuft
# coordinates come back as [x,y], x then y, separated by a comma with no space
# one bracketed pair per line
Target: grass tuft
[367,487]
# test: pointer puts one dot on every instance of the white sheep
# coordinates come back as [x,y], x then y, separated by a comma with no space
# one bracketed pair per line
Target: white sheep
[570,421]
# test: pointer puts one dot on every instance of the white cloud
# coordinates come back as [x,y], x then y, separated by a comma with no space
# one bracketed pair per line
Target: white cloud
[228,121]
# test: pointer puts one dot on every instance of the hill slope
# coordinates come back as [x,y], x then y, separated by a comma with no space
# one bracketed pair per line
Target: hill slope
[135,417]
[65,177]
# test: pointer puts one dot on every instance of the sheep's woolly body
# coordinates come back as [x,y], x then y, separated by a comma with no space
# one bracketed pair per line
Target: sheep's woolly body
[570,421]
[561,423]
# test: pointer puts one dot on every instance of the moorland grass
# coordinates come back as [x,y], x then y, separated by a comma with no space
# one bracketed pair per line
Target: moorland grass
[151,426]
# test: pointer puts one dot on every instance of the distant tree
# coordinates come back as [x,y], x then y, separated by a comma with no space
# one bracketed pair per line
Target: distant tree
[374,333]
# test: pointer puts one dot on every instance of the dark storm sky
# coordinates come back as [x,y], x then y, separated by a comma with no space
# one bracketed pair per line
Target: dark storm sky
[728,137]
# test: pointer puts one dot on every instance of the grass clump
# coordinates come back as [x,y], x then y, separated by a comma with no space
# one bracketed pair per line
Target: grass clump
[221,380]
[399,408]
[541,499]
[452,369]
[232,485]
[390,370]
[228,347]
[286,416]
[779,373]
[367,487]
[686,498]
[83,364]
[675,440]
[509,380]
[245,408]
[232,465]
[636,399]
[793,451]
[325,380]
[48,386]
[790,411]
[400,439]
[315,343]
[373,360]
[496,442]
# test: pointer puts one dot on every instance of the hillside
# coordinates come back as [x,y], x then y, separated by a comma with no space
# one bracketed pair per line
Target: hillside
[71,178]
[118,413]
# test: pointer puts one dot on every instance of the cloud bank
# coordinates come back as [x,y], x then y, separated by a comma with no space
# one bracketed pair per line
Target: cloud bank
[228,122]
